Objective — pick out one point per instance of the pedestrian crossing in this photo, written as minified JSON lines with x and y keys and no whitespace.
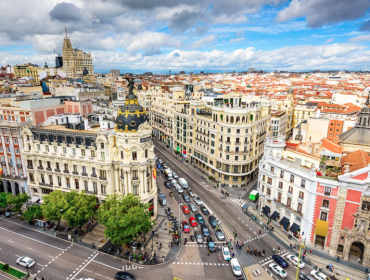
{"x":202,"y":264}
{"x":268,"y":260}
{"x":238,"y":201}
{"x":255,"y":238}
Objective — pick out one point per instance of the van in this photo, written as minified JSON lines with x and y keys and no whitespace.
{"x":162,"y":199}
{"x":183,"y":183}
{"x":253,"y":196}
{"x":235,"y":266}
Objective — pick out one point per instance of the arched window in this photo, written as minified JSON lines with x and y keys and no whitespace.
{"x":232,"y":119}
{"x":227,"y":118}
{"x":237,"y":119}
{"x":222,"y":117}
{"x":243,"y":119}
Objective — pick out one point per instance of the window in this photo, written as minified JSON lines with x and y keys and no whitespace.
{"x":66,"y":167}
{"x":95,"y":186}
{"x":103,"y":155}
{"x":289,"y":202}
{"x":269,"y":181}
{"x":135,"y":175}
{"x":103,"y":189}
{"x":122,"y":156}
{"x":17,"y":151}
{"x":323,"y":216}
{"x":146,"y":153}
{"x":226,"y":178}
{"x":134,"y":156}
{"x":268,"y":191}
{"x":228,"y":130}
{"x":103,"y":174}
{"x":77,"y":184}
{"x":263,"y":188}
{"x":102,"y":145}
{"x":238,"y":131}
{"x":55,"y":149}
{"x":280,"y":185}
{"x":92,"y":153}
{"x":282,"y":174}
{"x":299,"y":208}
{"x":74,"y":168}
{"x":68,"y":183}
{"x":279,"y":196}
{"x":93,"y":171}
{"x":325,"y":203}
{"x":301,"y":195}
{"x":59,"y":181}
{"x":83,"y":152}
{"x":136,"y":190}
{"x":73,"y":151}
{"x":235,"y":179}
{"x":57,"y":165}
{"x":292,"y":178}
{"x":290,"y":189}
{"x":227,"y":157}
{"x":15,"y":140}
{"x":38,"y":147}
{"x":327,"y":191}
{"x":86,"y":185}
{"x":64,"y":150}
{"x":46,"y":148}
{"x":32,"y":179}
{"x":272,"y":169}
{"x":263,"y":178}
{"x":303,"y":183}
{"x":6,"y":139}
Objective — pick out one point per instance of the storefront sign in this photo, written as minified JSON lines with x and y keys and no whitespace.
{"x":146,"y":139}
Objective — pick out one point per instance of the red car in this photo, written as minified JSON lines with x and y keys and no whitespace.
{"x":185,"y":227}
{"x":185,"y":209}
{"x":193,"y":222}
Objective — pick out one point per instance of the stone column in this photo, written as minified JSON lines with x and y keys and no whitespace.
{"x":117,"y":182}
{"x":12,"y":187}
{"x":145,"y":182}
{"x":129,"y":183}
{"x":5,"y":183}
{"x":142,"y":183}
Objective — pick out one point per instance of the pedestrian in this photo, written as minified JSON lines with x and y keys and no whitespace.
{"x":93,"y":245}
{"x":337,"y":258}
{"x":35,"y":278}
{"x":242,"y":243}
{"x":290,"y":246}
{"x":237,"y":242}
{"x":303,"y":256}
{"x":367,"y":271}
{"x":232,"y":255}
{"x":311,"y":251}
{"x":208,"y":252}
{"x":42,"y":278}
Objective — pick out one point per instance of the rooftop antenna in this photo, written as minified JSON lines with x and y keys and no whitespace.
{"x":65,"y":29}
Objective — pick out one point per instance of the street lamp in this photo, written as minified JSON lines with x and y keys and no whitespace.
{"x":301,"y":246}
{"x":179,"y":223}
{"x":152,"y":240}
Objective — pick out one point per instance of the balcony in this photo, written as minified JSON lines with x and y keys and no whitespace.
{"x":66,"y":171}
{"x":135,"y":178}
{"x":28,"y":167}
{"x":56,"y":170}
{"x":237,"y":143}
{"x":74,"y":172}
{"x":40,"y":167}
{"x":299,"y":213}
{"x":83,"y":174}
{"x":19,"y":165}
{"x":48,"y":168}
{"x":102,"y":178}
{"x":93,"y":175}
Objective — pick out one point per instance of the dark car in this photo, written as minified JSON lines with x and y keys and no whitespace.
{"x":304,"y":276}
{"x":162,"y":170}
{"x":212,"y":220}
{"x":205,"y":230}
{"x":211,"y":245}
{"x":280,"y":261}
{"x":199,"y":218}
{"x":192,"y":207}
{"x":168,"y":184}
{"x":204,"y":210}
{"x":123,"y":275}
{"x":185,"y":197}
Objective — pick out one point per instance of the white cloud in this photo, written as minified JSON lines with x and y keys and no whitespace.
{"x":329,"y":40}
{"x":361,"y":38}
{"x":234,"y":40}
{"x":201,"y":43}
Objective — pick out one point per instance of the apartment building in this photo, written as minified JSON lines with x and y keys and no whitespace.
{"x":279,"y":123}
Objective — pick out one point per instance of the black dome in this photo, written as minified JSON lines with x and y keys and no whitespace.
{"x":131,"y":115}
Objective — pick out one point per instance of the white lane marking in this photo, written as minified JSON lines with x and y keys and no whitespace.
{"x":30,"y":239}
{"x":84,"y":267}
{"x":106,"y":265}
{"x":52,"y":257}
{"x":98,"y":274}
{"x":29,"y":248}
{"x":40,"y":264}
{"x":267,"y":262}
{"x":10,"y":241}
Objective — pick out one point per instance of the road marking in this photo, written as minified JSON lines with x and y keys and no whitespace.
{"x":30,"y":239}
{"x":40,"y":264}
{"x":222,"y":211}
{"x":267,"y":262}
{"x":52,"y":257}
{"x":98,"y":274}
{"x":106,"y":265}
{"x":10,"y":241}
{"x":84,"y":267}
{"x":29,"y":248}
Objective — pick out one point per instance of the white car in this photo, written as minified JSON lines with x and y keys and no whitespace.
{"x":24,"y":261}
{"x":294,"y":260}
{"x":198,"y":201}
{"x":179,"y":189}
{"x":175,"y":175}
{"x":319,"y":275}
{"x":226,"y":253}
{"x":278,"y":270}
{"x":173,"y":182}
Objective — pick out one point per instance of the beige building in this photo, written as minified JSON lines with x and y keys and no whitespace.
{"x":75,"y":61}
{"x":27,"y":70}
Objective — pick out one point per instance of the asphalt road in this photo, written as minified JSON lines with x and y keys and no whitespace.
{"x":228,"y":213}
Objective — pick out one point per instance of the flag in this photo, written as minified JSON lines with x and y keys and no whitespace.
{"x":1,"y":171}
{"x":154,"y":173}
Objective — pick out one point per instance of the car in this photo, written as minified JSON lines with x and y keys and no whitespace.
{"x":164,"y":165}
{"x":198,"y":201}
{"x":278,"y":270}
{"x":199,"y":218}
{"x":185,"y":197}
{"x":169,"y":176}
{"x":205,"y":230}
{"x":280,"y":261}
{"x":159,"y":166}
{"x":235,"y":266}
{"x":25,"y":261}
{"x":226,"y":253}
{"x":219,"y":234}
{"x":211,"y":245}
{"x":175,"y":176}
{"x":193,"y":208}
{"x":185,"y":227}
{"x":199,"y":237}
{"x":193,"y":222}
{"x":176,"y":185}
{"x":294,"y":260}
{"x":304,"y":276}
{"x":185,"y":209}
{"x":212,"y":220}
{"x":168,"y":184}
{"x":173,"y":181}
{"x":159,"y":161}
{"x":319,"y":275}
{"x":191,"y":193}
{"x":162,"y":170}
{"x":179,"y":189}
{"x":204,"y":210}
{"x":123,"y":275}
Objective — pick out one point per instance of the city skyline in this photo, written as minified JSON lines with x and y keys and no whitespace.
{"x":186,"y":35}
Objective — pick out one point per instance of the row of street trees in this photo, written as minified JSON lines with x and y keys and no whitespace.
{"x":124,"y":216}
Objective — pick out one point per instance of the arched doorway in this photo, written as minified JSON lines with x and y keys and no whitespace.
{"x":356,"y":252}
{"x":16,"y":188}
{"x":340,"y":249}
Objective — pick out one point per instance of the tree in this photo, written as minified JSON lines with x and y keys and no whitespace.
{"x":124,"y":217}
{"x":81,"y":207}
{"x":33,"y":212}
{"x":54,"y":205}
{"x":17,"y":201}
{"x":4,"y":199}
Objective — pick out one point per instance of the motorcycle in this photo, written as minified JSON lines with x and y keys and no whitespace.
{"x":171,"y":194}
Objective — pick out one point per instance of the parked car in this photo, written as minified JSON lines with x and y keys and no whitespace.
{"x":226,"y":253}
{"x":199,"y":218}
{"x":319,"y":275}
{"x":204,"y":210}
{"x":185,"y":197}
{"x":164,"y":165}
{"x":212,"y":220}
{"x":159,"y":166}
{"x":193,"y":222}
{"x":294,"y":260}
{"x":185,"y":209}
{"x":174,"y":175}
{"x":123,"y":275}
{"x":199,"y":237}
{"x":159,"y":161}
{"x":280,"y":261}
{"x":278,"y":270}
{"x":211,"y":245}
{"x":205,"y":230}
{"x":235,"y":266}
{"x":179,"y":189}
{"x":168,"y":184}
{"x":185,"y":227}
{"x":25,"y":261}
{"x":305,"y":276}
{"x":169,"y":176}
{"x":219,"y":234}
{"x":198,"y":201}
{"x":193,"y":208}
{"x":173,"y":181}
{"x":191,"y":193}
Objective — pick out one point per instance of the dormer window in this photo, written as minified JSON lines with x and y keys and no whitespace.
{"x":55,"y":138}
{"x":73,"y":140}
{"x":64,"y":138}
{"x":82,"y":141}
{"x":38,"y":136}
{"x":102,"y":145}
{"x":46,"y":137}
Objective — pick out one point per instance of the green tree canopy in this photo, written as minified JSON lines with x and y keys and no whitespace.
{"x":17,"y":201}
{"x":33,"y":212}
{"x":4,"y":199}
{"x":54,"y":205}
{"x":124,"y":217}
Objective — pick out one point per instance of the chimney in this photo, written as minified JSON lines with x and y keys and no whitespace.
{"x":86,"y":123}
{"x":318,"y":113}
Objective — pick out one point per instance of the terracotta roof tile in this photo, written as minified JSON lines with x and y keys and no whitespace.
{"x":356,"y":160}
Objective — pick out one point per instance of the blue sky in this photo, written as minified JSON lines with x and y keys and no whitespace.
{"x":191,"y":35}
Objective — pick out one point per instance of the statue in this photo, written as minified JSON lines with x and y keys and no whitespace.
{"x":130,"y":85}
{"x":361,"y":227}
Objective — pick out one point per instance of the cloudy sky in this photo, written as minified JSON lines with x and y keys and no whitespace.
{"x":191,"y":35}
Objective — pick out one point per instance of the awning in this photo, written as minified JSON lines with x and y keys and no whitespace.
{"x":266,"y":210}
{"x":294,"y":228}
{"x":275,"y":215}
{"x":284,"y":222}
{"x":321,"y":228}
